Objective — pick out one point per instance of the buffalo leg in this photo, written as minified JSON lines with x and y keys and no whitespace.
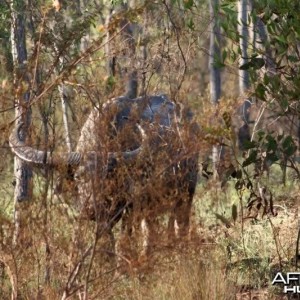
{"x":182,"y":218}
{"x":123,"y":244}
{"x":149,"y":231}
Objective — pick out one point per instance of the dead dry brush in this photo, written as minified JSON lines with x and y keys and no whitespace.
{"x":59,"y":252}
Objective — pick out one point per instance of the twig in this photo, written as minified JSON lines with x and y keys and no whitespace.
{"x":178,"y":44}
{"x":276,"y":242}
{"x":74,"y":274}
{"x":91,"y":50}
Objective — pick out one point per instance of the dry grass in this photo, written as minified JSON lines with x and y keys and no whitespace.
{"x":214,"y":263}
{"x":187,"y":275}
{"x":58,"y":253}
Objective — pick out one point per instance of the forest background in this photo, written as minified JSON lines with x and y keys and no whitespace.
{"x":235,"y":63}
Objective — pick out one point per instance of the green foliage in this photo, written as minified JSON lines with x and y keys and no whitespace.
{"x":255,"y":63}
{"x":273,"y":66}
{"x":187,"y":4}
{"x":190,"y":24}
{"x":56,"y":239}
{"x":117,"y":2}
{"x":4,"y":37}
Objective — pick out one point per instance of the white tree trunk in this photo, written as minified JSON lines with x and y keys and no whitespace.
{"x":244,"y":83}
{"x":111,"y":58}
{"x":215,"y":73}
{"x":244,"y":35}
{"x":64,"y":106}
{"x":60,"y":17}
{"x":262,"y":42}
{"x":22,"y":171}
{"x":129,"y":41}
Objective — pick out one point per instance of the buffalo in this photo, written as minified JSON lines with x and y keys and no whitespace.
{"x":136,"y":159}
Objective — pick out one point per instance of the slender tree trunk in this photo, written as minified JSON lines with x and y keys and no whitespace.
{"x":22,"y":171}
{"x":64,"y":105}
{"x":262,"y":41}
{"x":37,"y":80}
{"x":244,"y":82}
{"x":60,"y":17}
{"x":85,"y":40}
{"x":130,"y":74}
{"x":144,"y":50}
{"x":65,"y":115}
{"x":111,"y":58}
{"x":262,"y":44}
{"x":127,"y":71}
{"x":215,"y":74}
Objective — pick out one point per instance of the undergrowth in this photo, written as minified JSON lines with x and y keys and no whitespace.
{"x":223,"y":257}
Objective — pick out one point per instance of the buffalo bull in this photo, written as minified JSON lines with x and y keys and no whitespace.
{"x":135,"y":159}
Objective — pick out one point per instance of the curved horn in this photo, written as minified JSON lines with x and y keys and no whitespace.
{"x":130,"y":155}
{"x":35,"y":156}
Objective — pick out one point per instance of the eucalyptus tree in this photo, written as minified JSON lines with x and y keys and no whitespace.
{"x":215,"y":71}
{"x":22,"y":172}
{"x":268,"y":69}
{"x":244,"y":80}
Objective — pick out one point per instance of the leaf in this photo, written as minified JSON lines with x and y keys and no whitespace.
{"x":251,"y":159}
{"x":271,"y":143}
{"x":224,"y":55}
{"x":233,"y":56}
{"x":223,"y":220}
{"x":292,"y":58}
{"x":260,"y":91}
{"x":280,"y":38}
{"x":272,"y":157}
{"x":110,"y":81}
{"x":238,"y":174}
{"x":284,"y":103}
{"x":257,"y":63}
{"x":228,"y":10}
{"x":224,"y":25}
{"x":249,"y":144}
{"x":188,"y":4}
{"x":288,"y":145}
{"x":266,"y":79}
{"x":234,"y":213}
{"x":261,"y":134}
{"x":239,"y":184}
{"x":249,"y":185}
{"x":190,"y":24}
{"x":280,"y":137}
{"x":246,"y":66}
{"x":218,"y":64}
